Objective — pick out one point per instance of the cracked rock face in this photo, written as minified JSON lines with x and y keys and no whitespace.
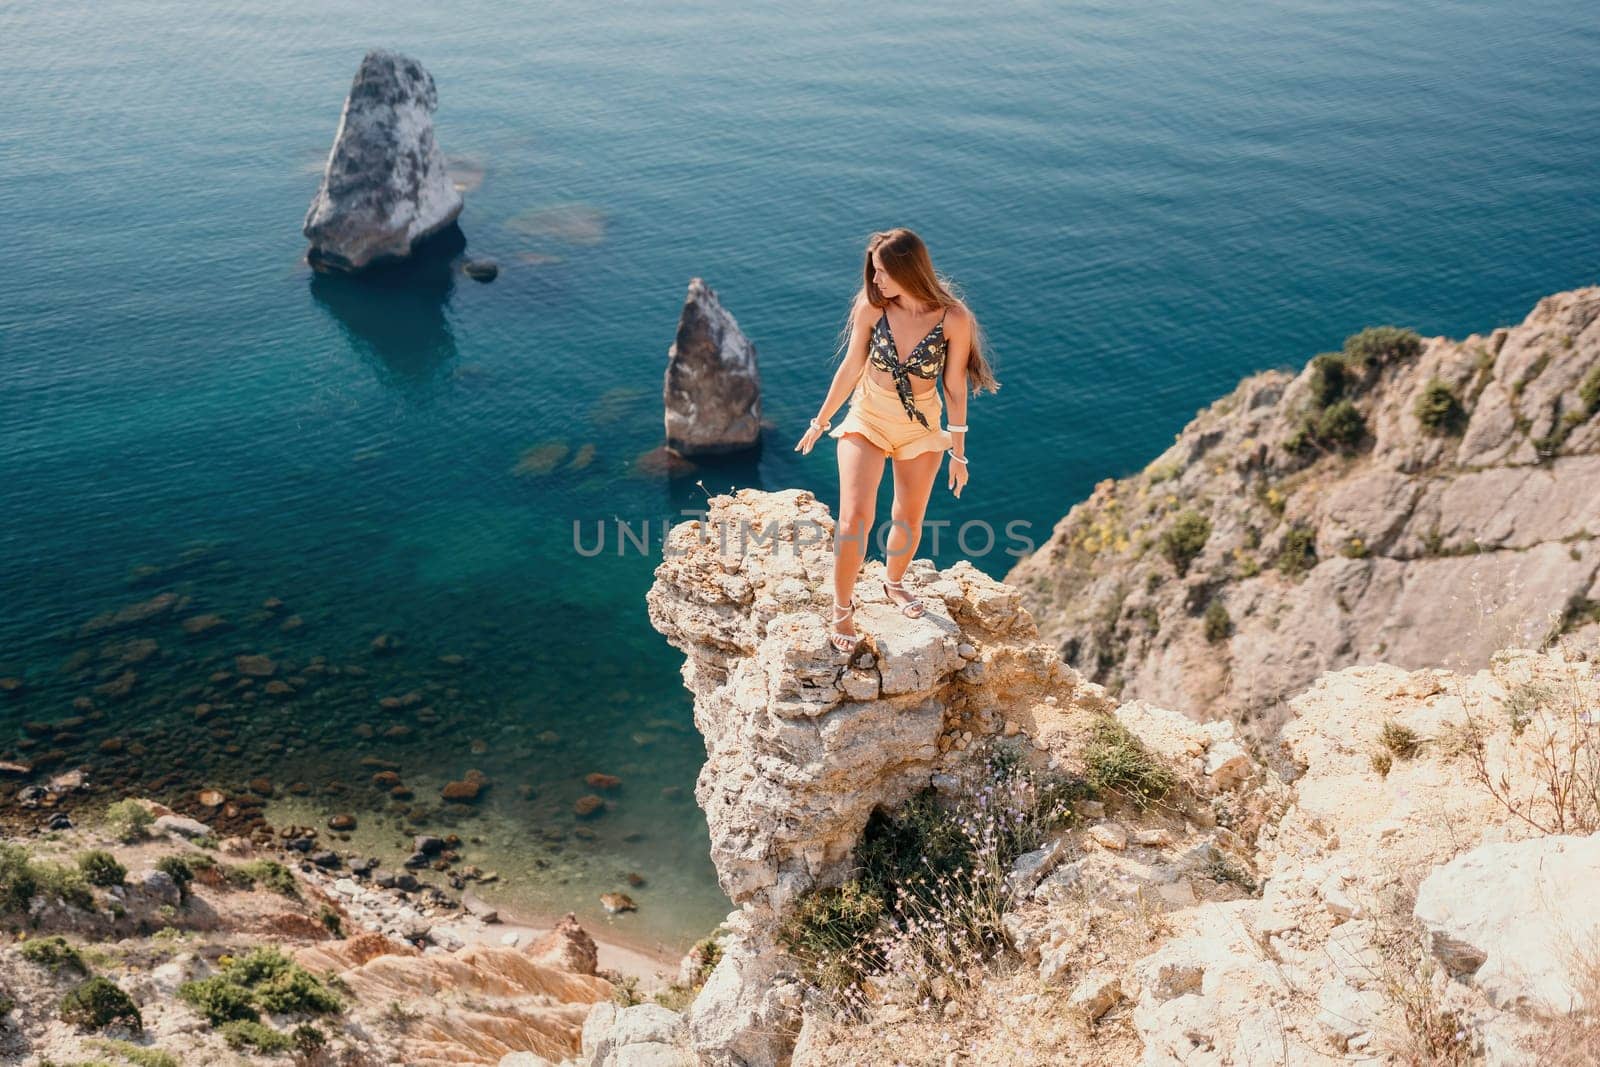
{"x":385,"y":187}
{"x":713,"y":388}
{"x":1419,"y":545}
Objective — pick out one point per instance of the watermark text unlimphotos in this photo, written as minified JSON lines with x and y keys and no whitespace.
{"x":974,"y":538}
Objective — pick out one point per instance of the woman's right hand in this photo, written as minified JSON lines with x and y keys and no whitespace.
{"x":813,"y":435}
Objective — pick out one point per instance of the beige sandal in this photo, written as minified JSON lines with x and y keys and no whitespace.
{"x":911,"y":609}
{"x":841,"y":613}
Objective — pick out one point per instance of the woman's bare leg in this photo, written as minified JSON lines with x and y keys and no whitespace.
{"x":860,"y":472}
{"x":913,"y":483}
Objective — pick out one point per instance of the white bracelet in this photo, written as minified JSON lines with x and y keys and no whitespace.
{"x":815,"y":425}
{"x":958,"y":459}
{"x":955,"y":429}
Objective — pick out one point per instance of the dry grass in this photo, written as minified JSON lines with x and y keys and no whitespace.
{"x":1549,"y":776}
{"x":1004,"y":1014}
{"x":1574,"y":1040}
{"x":1428,"y":1033}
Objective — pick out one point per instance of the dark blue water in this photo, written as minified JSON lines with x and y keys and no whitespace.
{"x":1142,"y":203}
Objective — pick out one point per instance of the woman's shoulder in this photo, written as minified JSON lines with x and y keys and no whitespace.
{"x":959,"y":315}
{"x":863,"y":311}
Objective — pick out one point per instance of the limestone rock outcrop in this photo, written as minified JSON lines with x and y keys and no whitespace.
{"x":804,"y":743}
{"x":1303,"y":901}
{"x":1417,"y":501}
{"x":1394,"y":882}
{"x":712,"y":391}
{"x":385,"y":187}
{"x":1494,"y":917}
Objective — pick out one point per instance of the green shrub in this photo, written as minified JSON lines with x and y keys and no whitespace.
{"x":22,"y":878}
{"x":930,"y":883}
{"x":218,"y":999}
{"x":1185,"y":539}
{"x":1438,"y":410}
{"x":101,"y":868}
{"x":64,"y":883}
{"x":708,"y":950}
{"x":97,"y":1004}
{"x":262,"y":980}
{"x":831,"y":929}
{"x":129,"y":820}
{"x":271,"y":875}
{"x":1117,"y":762}
{"x":137,"y":1055}
{"x":55,"y":953}
{"x":246,"y":1033}
{"x":179,"y":870}
{"x":1327,"y":379}
{"x":308,"y":1038}
{"x":332,"y":920}
{"x":296,"y":990}
{"x":1378,"y":346}
{"x":19,"y":882}
{"x":1341,"y":426}
{"x":1299,"y":551}
{"x":1589,"y":391}
{"x":1218,"y":624}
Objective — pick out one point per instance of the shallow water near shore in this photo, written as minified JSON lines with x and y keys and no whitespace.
{"x":1143,"y":204}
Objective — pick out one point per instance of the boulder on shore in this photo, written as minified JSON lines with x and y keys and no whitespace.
{"x":713,"y":388}
{"x":386,"y":187}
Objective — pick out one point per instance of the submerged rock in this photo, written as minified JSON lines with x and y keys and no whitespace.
{"x":386,"y":186}
{"x":481,"y":270}
{"x":713,"y":388}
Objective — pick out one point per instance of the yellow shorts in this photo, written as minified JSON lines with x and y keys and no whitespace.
{"x":877,"y":414}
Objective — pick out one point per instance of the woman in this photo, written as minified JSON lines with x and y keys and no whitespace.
{"x":895,"y":412}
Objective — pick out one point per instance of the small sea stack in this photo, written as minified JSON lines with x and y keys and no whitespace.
{"x":713,"y":388}
{"x":386,"y":187}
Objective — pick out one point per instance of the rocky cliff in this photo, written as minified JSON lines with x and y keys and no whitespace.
{"x":1396,"y":875}
{"x":1416,"y":501}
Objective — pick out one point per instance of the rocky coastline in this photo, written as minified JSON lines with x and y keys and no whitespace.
{"x":1377,"y":856}
{"x":153,"y":906}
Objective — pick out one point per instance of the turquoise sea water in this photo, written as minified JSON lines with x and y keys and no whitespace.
{"x":1143,"y":202}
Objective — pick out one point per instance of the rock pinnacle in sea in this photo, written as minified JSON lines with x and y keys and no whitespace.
{"x":385,"y":187}
{"x":713,"y":388}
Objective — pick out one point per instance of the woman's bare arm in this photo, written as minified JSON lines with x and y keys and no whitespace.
{"x":855,"y":359}
{"x":959,"y":334}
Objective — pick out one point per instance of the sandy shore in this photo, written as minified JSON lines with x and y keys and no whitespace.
{"x":654,"y":965}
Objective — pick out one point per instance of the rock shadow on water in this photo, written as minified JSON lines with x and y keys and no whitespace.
{"x":395,"y":313}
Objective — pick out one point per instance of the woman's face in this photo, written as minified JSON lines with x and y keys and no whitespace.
{"x":880,"y":277}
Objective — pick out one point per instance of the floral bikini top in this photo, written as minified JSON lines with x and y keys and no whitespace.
{"x":925,"y":361}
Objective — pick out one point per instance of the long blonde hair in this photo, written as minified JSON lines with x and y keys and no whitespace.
{"x":906,"y":259}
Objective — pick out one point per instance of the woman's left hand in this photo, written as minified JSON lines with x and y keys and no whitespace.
{"x":958,"y":477}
